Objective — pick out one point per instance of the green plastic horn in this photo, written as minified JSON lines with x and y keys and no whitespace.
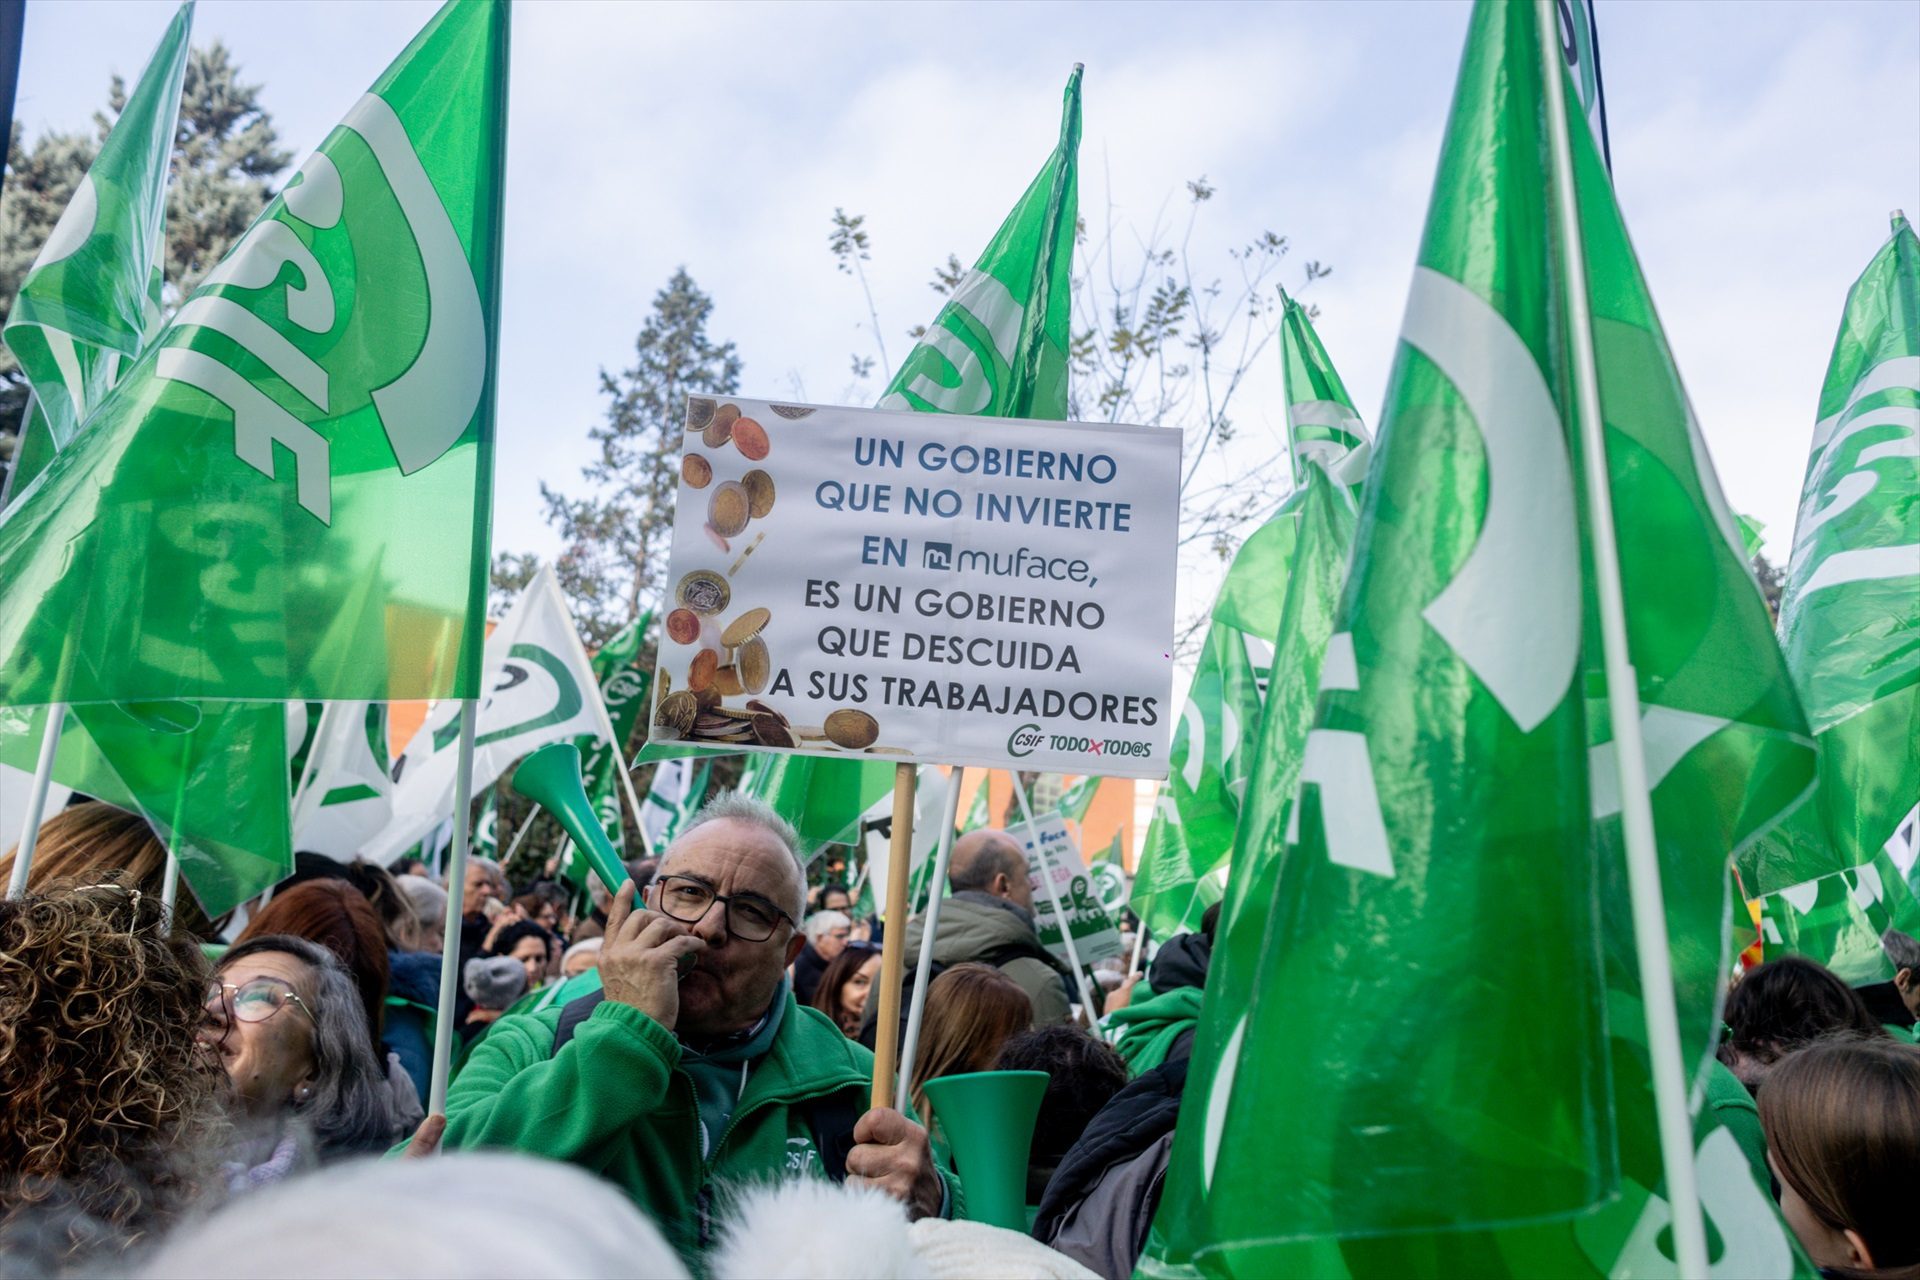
{"x":551,"y":778}
{"x":988,"y":1119}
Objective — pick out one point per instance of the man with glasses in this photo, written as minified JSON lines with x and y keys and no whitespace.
{"x":687,"y":1065}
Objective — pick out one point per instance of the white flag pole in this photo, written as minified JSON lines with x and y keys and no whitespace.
{"x":513,"y":846}
{"x":445,"y":1032}
{"x":1053,"y":895}
{"x":1623,"y":693}
{"x":1139,"y":944}
{"x":923,"y":971}
{"x":37,"y":798}
{"x":170,"y":882}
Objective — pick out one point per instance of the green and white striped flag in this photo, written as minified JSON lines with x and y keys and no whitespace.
{"x":1851,"y":609}
{"x":1322,"y":423}
{"x":91,"y":300}
{"x":1183,"y":864}
{"x":1459,"y":839}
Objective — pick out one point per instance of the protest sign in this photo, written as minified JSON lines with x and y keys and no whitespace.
{"x":1095,"y":936}
{"x":932,"y":588}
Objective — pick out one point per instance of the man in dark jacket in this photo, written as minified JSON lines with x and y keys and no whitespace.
{"x":989,"y":919}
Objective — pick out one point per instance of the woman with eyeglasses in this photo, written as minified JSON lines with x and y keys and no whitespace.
{"x":287,"y":1024}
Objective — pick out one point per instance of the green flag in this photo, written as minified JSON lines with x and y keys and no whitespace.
{"x":1184,"y":860}
{"x":92,"y":297}
{"x":84,"y":315}
{"x":1321,"y":421}
{"x":1850,"y":613}
{"x":998,"y":347}
{"x":624,"y":685}
{"x":486,"y":827}
{"x":1458,"y":830}
{"x":287,"y":496}
{"x":1077,"y":798}
{"x":1312,"y":591}
{"x":823,"y":799}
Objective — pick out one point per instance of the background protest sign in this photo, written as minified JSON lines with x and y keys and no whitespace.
{"x":1095,"y":936}
{"x":934,"y":588}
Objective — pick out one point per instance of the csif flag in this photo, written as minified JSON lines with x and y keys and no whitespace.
{"x":1459,"y":832}
{"x":286,"y":496}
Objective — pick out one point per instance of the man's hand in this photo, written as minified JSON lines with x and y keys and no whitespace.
{"x":893,"y":1155}
{"x":640,"y":961}
{"x":426,"y":1139}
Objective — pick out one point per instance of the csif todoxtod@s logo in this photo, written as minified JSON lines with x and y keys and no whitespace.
{"x":1028,"y":738}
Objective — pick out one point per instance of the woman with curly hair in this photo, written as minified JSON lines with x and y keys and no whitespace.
{"x":110,"y":1104}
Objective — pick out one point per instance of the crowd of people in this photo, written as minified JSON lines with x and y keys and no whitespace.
{"x":659,"y":1072}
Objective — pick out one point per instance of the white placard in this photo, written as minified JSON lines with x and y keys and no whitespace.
{"x":1095,"y":936}
{"x":927,"y":587}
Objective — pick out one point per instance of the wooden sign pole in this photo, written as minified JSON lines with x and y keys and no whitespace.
{"x":886,"y":1042}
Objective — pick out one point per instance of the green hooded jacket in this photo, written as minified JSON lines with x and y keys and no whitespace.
{"x":1149,"y":1026}
{"x":617,"y":1101}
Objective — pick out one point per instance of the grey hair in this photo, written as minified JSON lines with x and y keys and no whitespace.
{"x":351,"y":1108}
{"x":1901,"y":948}
{"x":821,"y":923}
{"x":493,"y":869}
{"x":737,"y":807}
{"x":426,"y":904}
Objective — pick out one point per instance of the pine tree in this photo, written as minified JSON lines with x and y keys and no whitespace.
{"x":618,"y":536}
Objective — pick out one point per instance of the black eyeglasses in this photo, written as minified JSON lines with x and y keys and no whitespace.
{"x":750,"y":917}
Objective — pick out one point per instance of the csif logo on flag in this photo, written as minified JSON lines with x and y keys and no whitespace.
{"x":361,"y":223}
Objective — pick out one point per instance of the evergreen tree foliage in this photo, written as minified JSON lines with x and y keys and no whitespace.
{"x":617,"y":535}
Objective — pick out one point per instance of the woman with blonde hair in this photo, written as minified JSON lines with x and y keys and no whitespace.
{"x":972,"y":1011}
{"x":86,"y":841}
{"x":112,"y":1118}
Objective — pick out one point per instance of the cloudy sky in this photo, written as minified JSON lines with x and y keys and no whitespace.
{"x":1758,"y":149}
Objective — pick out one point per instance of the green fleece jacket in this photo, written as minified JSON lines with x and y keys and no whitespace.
{"x":1149,"y":1026}
{"x":617,"y":1101}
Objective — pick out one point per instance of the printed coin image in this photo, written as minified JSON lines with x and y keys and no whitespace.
{"x":713,"y":536}
{"x":769,"y":732}
{"x":888,"y":751}
{"x":726,"y":415}
{"x":745,"y":627}
{"x":699,"y":413}
{"x":754,"y":664}
{"x":704,"y":591}
{"x":727,"y":681}
{"x":851,"y":728}
{"x":696,"y":471}
{"x":728,"y":510}
{"x":700,"y":670}
{"x":792,"y":411}
{"x":677,"y":711}
{"x":808,"y":732}
{"x":757,"y":707}
{"x":717,"y":434}
{"x":759,"y":487}
{"x":683,"y":626}
{"x":707,"y":699}
{"x":751,"y":439}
